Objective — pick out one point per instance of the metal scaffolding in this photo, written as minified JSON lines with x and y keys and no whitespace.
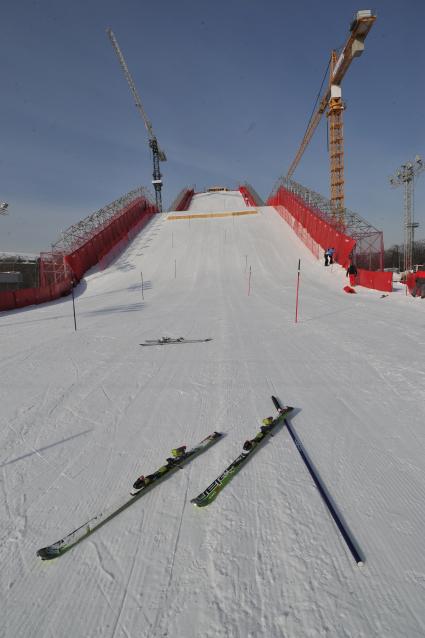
{"x":78,"y":234}
{"x":369,"y":251}
{"x":53,"y":267}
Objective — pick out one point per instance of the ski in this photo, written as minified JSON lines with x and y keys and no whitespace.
{"x":181,"y":457}
{"x":168,"y":340}
{"x":83,"y":531}
{"x":322,"y":489}
{"x":250,"y":447}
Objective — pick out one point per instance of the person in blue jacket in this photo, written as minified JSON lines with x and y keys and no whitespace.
{"x":327,"y":257}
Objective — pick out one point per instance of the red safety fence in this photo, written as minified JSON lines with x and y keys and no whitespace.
{"x":299,"y":230}
{"x":320,"y":231}
{"x":318,"y":235}
{"x":58,"y":271}
{"x":415,"y":282}
{"x":28,"y":296}
{"x":376,"y":279}
{"x":138,"y":213}
{"x":247,"y":196}
{"x":183,"y":199}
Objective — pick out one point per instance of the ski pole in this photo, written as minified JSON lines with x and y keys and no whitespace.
{"x":298,"y":287}
{"x":322,"y":490}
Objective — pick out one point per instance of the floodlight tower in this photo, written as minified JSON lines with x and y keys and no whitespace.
{"x":406,"y":175}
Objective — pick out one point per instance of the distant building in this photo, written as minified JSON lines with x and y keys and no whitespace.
{"x":17,"y":272}
{"x":10,"y":280}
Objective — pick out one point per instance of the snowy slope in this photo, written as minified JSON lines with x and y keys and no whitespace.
{"x":83,"y":414}
{"x":217,"y":202}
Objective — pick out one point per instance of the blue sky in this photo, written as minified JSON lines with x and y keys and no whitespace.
{"x":229,"y":86}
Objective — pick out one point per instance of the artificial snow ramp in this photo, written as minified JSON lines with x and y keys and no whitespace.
{"x":84,"y":413}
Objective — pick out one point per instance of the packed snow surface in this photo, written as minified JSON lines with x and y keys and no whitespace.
{"x":85,"y":413}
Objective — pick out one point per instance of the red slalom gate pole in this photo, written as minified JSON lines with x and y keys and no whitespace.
{"x":298,"y":287}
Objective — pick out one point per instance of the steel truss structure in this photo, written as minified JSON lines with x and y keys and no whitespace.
{"x":369,"y":251}
{"x":78,"y":234}
{"x":53,"y":268}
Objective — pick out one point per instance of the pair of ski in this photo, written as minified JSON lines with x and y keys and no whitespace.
{"x":144,"y":484}
{"x":163,"y":341}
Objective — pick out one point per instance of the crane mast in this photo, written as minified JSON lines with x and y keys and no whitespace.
{"x":158,"y":155}
{"x":331,"y":101}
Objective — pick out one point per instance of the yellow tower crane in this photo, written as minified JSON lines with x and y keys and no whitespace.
{"x":332,"y":101}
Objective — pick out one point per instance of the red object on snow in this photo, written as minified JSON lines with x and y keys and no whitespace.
{"x":349,"y":289}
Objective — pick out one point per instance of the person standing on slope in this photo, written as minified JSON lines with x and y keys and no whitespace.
{"x":352,"y":274}
{"x":327,"y":257}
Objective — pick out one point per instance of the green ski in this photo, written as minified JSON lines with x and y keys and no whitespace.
{"x":210,"y":494}
{"x":173,"y":464}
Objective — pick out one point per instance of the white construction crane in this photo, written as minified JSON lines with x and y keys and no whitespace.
{"x":157,"y":154}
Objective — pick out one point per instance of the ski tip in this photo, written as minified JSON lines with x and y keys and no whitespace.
{"x":360,"y":563}
{"x":196,"y":504}
{"x":46,"y":554}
